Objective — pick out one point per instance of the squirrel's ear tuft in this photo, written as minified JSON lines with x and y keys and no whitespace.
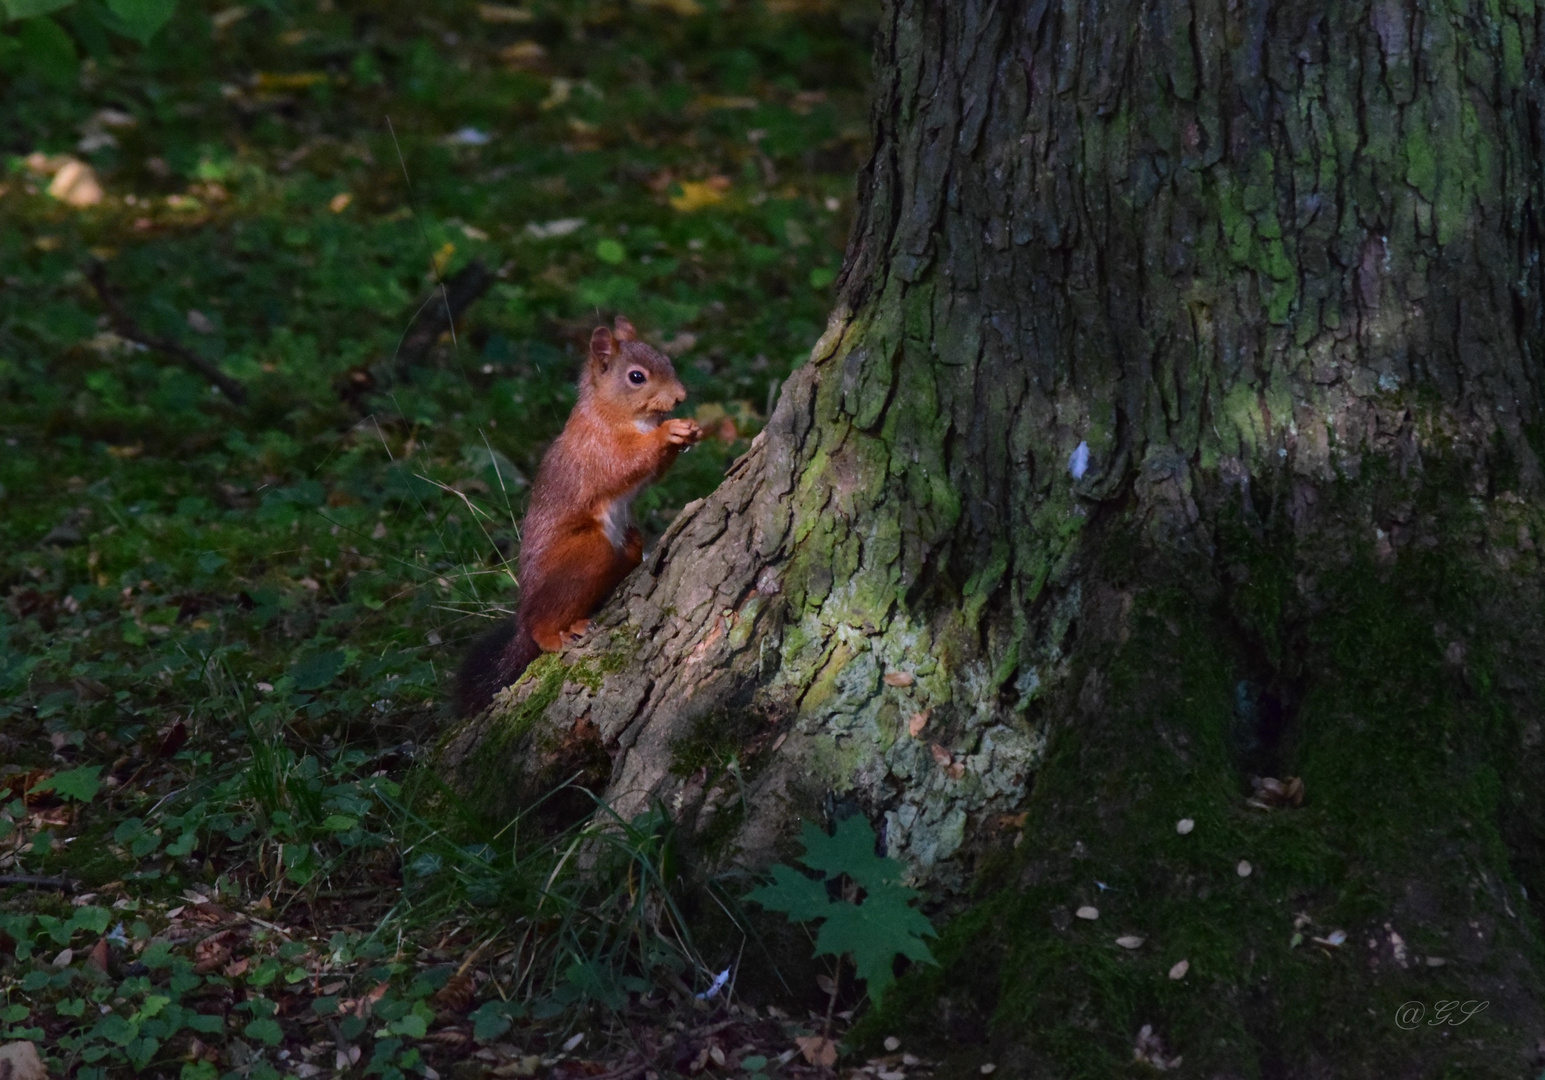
{"x":602,"y":347}
{"x":625,"y":331}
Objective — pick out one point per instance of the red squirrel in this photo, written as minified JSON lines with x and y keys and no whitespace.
{"x":578,"y":539}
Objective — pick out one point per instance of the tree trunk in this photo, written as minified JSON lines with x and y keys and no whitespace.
{"x":1177,"y":426}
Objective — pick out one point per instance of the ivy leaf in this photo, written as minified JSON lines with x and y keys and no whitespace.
{"x":140,"y":19}
{"x":412,"y":1026}
{"x":116,"y":1030}
{"x":91,"y":919}
{"x":265,"y":1031}
{"x":315,"y":672}
{"x":79,"y":784}
{"x":492,"y":1019}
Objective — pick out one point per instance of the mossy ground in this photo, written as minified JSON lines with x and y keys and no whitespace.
{"x":241,"y":618}
{"x":1395,"y":684}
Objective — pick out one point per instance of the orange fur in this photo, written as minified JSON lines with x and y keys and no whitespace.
{"x":578,"y":538}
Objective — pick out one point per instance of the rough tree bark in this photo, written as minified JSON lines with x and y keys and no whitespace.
{"x":1178,"y":424}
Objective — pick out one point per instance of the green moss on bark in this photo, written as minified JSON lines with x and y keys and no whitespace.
{"x":1382,"y":671}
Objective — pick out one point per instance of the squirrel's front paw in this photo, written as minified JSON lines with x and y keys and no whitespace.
{"x":682,"y":432}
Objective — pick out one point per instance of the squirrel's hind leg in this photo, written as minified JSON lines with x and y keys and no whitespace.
{"x":578,"y":571}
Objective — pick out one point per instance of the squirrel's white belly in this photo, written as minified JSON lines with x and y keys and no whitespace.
{"x":616,"y":516}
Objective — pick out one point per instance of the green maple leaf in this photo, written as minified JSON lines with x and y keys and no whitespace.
{"x":803,"y":899}
{"x":851,"y":852}
{"x":873,"y":931}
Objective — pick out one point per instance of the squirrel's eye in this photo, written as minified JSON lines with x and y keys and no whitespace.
{"x":637,"y":377}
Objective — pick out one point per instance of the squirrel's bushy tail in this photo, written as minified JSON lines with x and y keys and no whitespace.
{"x":494,"y":662}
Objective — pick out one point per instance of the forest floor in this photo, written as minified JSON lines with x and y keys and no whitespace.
{"x":229,"y":614}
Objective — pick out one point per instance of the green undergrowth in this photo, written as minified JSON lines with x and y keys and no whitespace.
{"x":1395,"y":682}
{"x":238,"y":620}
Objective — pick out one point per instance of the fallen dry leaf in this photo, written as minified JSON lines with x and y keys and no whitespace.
{"x":1150,"y":1050}
{"x":75,"y":184}
{"x":273,"y":81}
{"x":172,"y":739}
{"x":456,"y":994}
{"x":20,"y":1061}
{"x":899,"y":678}
{"x":817,"y":1050}
{"x":366,"y":1004}
{"x":722,"y":101}
{"x":1271,"y":793}
{"x":503,"y":13}
{"x":213,"y":952}
{"x":224,"y":18}
{"x":683,"y":8}
{"x":679,"y":344}
{"x":696,"y":194}
{"x":449,"y":1037}
{"x":523,"y":54}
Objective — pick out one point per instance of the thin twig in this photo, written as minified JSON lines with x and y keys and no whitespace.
{"x":624,"y":1072}
{"x":125,"y":327}
{"x":33,"y":881}
{"x":354,"y":893}
{"x":831,"y":1004}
